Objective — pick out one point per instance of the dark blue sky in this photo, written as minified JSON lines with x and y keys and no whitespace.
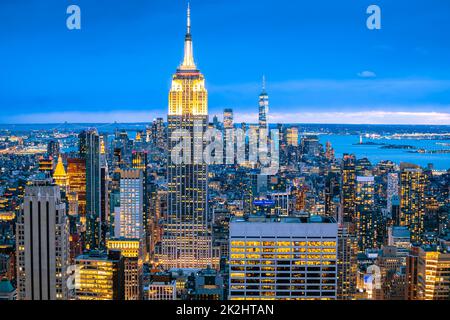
{"x":316,"y":56}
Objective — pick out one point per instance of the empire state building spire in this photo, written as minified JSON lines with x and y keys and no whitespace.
{"x":187,"y":238}
{"x":188,"y":61}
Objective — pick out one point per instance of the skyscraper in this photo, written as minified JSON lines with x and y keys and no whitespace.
{"x":392,"y":189}
{"x":158,"y":137}
{"x":346,"y":263}
{"x":228,"y":118}
{"x":53,"y":148}
{"x":412,"y":201}
{"x":89,"y":149}
{"x":263,"y":107}
{"x":186,"y":241}
{"x":365,"y":215}
{"x":42,"y":244}
{"x":76,"y":174}
{"x":348,"y":187}
{"x":228,"y":136}
{"x":129,"y":222}
{"x":139,"y":161}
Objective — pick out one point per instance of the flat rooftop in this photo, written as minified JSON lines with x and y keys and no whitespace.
{"x":269,"y":219}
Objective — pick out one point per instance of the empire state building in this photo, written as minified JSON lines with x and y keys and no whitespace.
{"x":186,"y":241}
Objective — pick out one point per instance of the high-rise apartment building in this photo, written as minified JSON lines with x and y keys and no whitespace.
{"x":412,"y":201}
{"x":42,"y":244}
{"x":348,"y":187}
{"x":392,"y":189}
{"x":346,"y":263}
{"x":129,"y":222}
{"x":228,"y":136}
{"x":186,"y":241}
{"x":365,"y":212}
{"x":139,"y":161}
{"x":228,"y":118}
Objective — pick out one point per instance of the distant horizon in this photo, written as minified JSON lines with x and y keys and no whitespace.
{"x":235,"y":124}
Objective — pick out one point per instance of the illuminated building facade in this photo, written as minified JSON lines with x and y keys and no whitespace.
{"x":281,"y":202}
{"x":332,"y":194}
{"x":228,"y":119}
{"x":348,"y":187}
{"x":263,"y":108}
{"x":139,"y":160}
{"x":76,"y":174}
{"x":46,"y":164}
{"x":283,"y":258}
{"x":392,"y":189}
{"x":346,"y":264}
{"x":60,"y":175}
{"x":365,"y":212}
{"x":131,"y":250}
{"x":42,"y":244}
{"x":186,"y":241}
{"x":53,"y":149}
{"x":228,"y":136}
{"x":433,"y":274}
{"x":158,"y":134}
{"x":89,"y":149}
{"x":129,"y":222}
{"x":412,"y":201}
{"x":161,"y":289}
{"x":292,"y":136}
{"x":100,"y":276}
{"x":104,"y":199}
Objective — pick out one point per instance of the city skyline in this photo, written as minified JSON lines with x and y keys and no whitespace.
{"x":198,"y":205}
{"x":320,"y":60}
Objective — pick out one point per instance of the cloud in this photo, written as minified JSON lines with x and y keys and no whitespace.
{"x":367,"y":74}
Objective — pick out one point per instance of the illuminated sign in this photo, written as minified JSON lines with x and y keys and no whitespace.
{"x":264,"y":203}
